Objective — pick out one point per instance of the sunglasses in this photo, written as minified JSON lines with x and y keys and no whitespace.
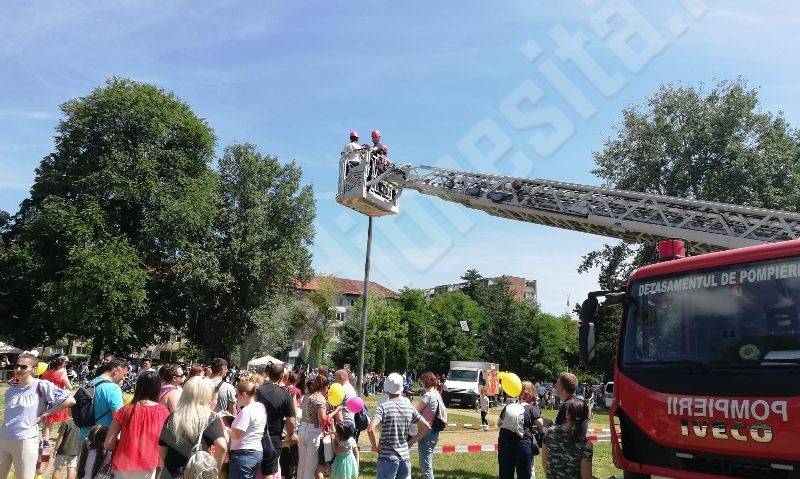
{"x":21,"y":366}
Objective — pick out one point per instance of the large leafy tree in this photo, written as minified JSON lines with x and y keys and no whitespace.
{"x":386,"y":347}
{"x":126,"y":191}
{"x":262,"y":230}
{"x":695,"y":143}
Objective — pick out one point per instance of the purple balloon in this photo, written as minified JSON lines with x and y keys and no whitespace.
{"x":355,"y":405}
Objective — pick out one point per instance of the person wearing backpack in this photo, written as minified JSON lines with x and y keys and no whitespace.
{"x":28,"y":403}
{"x":97,"y":403}
{"x":432,"y":408}
{"x":190,"y":431}
{"x":516,"y":444}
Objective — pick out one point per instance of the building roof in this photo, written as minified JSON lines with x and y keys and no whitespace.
{"x":347,"y":286}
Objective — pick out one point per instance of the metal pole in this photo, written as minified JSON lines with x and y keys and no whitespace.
{"x":360,"y":380}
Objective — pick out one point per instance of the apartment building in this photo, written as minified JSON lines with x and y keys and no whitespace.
{"x":523,"y":289}
{"x":351,"y":290}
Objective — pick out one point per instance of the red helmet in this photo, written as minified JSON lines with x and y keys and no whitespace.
{"x":376,"y":134}
{"x":353,"y":134}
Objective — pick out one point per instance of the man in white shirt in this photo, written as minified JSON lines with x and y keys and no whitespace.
{"x":226,"y":394}
{"x":350,"y":150}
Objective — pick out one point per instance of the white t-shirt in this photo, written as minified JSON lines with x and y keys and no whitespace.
{"x":251,"y":421}
{"x":350,"y":151}
{"x":485,"y":403}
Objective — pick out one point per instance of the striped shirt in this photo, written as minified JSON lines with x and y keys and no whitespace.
{"x":396,"y":417}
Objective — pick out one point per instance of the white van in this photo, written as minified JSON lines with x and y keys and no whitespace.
{"x":609,"y":396}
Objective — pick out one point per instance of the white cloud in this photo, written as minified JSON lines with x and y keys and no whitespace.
{"x":33,"y":115}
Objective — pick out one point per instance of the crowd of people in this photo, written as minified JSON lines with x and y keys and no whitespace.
{"x":265,"y":423}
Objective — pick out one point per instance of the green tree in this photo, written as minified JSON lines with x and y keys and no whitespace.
{"x":416,"y":314}
{"x":387,"y":336}
{"x":126,"y":191}
{"x":259,"y":248}
{"x":690,"y":142}
{"x":445,"y":340}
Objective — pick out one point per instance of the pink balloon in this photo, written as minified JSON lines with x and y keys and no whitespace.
{"x":355,"y":405}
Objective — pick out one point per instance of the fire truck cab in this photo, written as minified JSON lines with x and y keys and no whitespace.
{"x":707,"y":366}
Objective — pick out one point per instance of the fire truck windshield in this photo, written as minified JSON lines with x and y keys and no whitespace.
{"x":747,"y":315}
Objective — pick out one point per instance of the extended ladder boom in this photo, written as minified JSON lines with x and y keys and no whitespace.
{"x":627,"y":215}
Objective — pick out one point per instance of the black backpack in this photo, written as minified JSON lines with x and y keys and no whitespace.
{"x":361,"y":418}
{"x":83,"y":410}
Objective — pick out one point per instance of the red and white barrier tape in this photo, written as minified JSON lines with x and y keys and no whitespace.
{"x":459,"y":425}
{"x":450,"y":449}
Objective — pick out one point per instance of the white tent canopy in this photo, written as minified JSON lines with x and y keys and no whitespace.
{"x":263,"y":361}
{"x":8,"y":349}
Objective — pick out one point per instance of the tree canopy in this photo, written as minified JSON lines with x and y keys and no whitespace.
{"x":129,"y":233}
{"x":708,"y":144}
{"x":415,"y":332}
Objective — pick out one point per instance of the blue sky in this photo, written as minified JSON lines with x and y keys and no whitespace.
{"x":485,"y":87}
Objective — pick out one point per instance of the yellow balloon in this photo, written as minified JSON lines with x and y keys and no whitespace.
{"x":512,"y":384}
{"x":41,"y":368}
{"x":335,"y":394}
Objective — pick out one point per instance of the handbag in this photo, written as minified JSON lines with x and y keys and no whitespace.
{"x":326,"y":443}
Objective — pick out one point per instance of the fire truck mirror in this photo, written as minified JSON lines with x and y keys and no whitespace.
{"x":586,"y":342}
{"x":588,"y":309}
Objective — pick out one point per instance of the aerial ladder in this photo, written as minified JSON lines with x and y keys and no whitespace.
{"x":631,"y":216}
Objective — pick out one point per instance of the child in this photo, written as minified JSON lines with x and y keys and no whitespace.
{"x":345,"y":464}
{"x":92,"y":453}
{"x":66,"y":450}
{"x":484,"y":404}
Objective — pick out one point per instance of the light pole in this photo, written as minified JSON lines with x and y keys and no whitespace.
{"x":362,"y":343}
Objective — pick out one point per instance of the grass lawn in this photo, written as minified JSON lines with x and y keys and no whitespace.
{"x":481,"y":465}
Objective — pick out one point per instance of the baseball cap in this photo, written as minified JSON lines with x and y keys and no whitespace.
{"x":393,"y":384}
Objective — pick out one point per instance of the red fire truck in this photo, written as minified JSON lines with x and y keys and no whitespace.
{"x":707,"y":366}
{"x":707,"y":370}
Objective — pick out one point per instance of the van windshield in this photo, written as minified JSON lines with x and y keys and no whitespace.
{"x":461,"y":375}
{"x":743,"y":315}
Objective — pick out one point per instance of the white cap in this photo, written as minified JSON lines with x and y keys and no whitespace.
{"x":393,"y":384}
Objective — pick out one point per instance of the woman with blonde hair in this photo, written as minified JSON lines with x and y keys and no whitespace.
{"x":192,"y":421}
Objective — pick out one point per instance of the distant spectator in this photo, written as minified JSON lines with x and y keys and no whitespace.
{"x":196,"y":370}
{"x":226,"y":394}
{"x":56,"y":374}
{"x":171,"y":380}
